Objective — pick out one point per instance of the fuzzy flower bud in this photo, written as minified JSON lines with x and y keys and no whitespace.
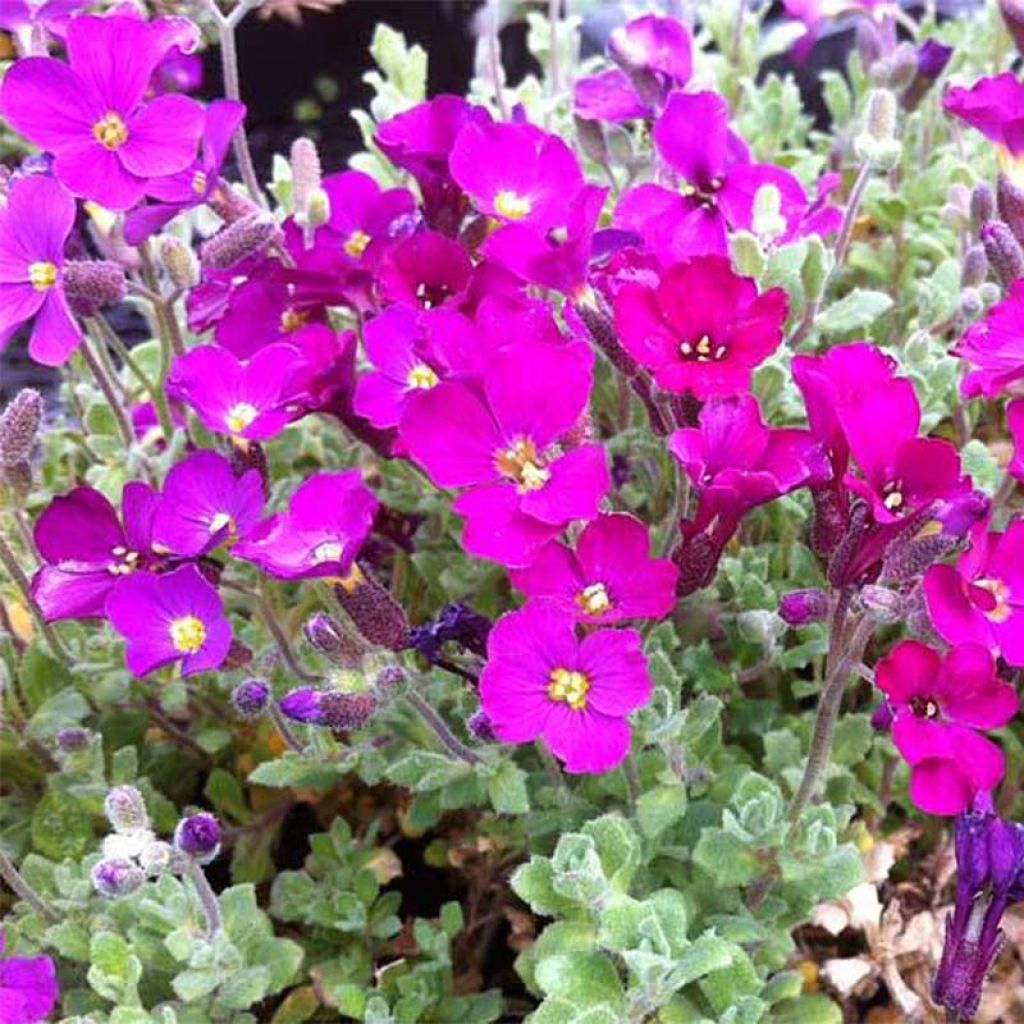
{"x":250,"y":698}
{"x":117,"y":877}
{"x":198,"y":837}
{"x":932,"y":58}
{"x":877,"y":143}
{"x":179,"y":261}
{"x":332,"y":641}
{"x":18,"y":426}
{"x":697,"y":559}
{"x":481,"y":727}
{"x":975,"y":267}
{"x":389,"y":680}
{"x":306,"y":176}
{"x":94,"y":282}
{"x":902,"y":66}
{"x":1003,"y":251}
{"x":332,"y":708}
{"x":1010,"y":203}
{"x":601,"y":328}
{"x":245,"y":237}
{"x":125,"y":809}
{"x":972,"y":305}
{"x":374,"y":612}
{"x":71,"y":740}
{"x":885,"y":604}
{"x":799,"y":607}
{"x":882,"y":717}
{"x":983,"y":205}
{"x":156,"y":857}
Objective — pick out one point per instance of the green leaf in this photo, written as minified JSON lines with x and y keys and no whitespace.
{"x":580,"y":979}
{"x":660,"y":808}
{"x":62,"y":827}
{"x":533,"y":883}
{"x":422,"y":770}
{"x":63,"y":710}
{"x":506,"y":788}
{"x":618,"y":846}
{"x":854,"y":311}
{"x":726,"y":858}
{"x":115,"y":971}
{"x":852,"y":739}
{"x":41,"y":677}
{"x":225,"y":792}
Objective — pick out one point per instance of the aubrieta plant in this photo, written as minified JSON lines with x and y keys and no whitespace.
{"x":536,"y":570}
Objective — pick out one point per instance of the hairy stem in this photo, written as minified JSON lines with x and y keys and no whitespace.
{"x":10,"y":874}
{"x":439,"y":726}
{"x":291,"y":741}
{"x":10,"y":563}
{"x":207,"y":897}
{"x":107,"y":387}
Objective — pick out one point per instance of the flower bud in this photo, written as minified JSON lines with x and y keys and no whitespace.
{"x":95,"y":282}
{"x":799,"y":607}
{"x":983,"y":205}
{"x":481,"y":727}
{"x":116,"y":877}
{"x":245,"y":237}
{"x":179,"y":261}
{"x":932,"y":58}
{"x":18,"y":426}
{"x":877,"y":143}
{"x":885,"y":604}
{"x":847,"y":548}
{"x":902,"y":67}
{"x":198,"y":837}
{"x":250,"y":698}
{"x":374,"y":612}
{"x":156,"y":857}
{"x":332,"y":641}
{"x":882,"y":717}
{"x":1010,"y":204}
{"x":332,"y":708}
{"x":1003,"y":251}
{"x":697,"y":559}
{"x":306,"y":175}
{"x":125,"y":809}
{"x":602,"y":331}
{"x":975,"y":267}
{"x":990,"y":293}
{"x":972,"y":305}
{"x":72,"y":740}
{"x":389,"y":681}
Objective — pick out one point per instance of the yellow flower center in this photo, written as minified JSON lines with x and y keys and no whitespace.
{"x":110,"y":131}
{"x":570,"y":687}
{"x":43,"y":275}
{"x":703,"y":352}
{"x":199,"y":183}
{"x":292,"y":320}
{"x":329,"y":551}
{"x":893,"y":499}
{"x":126,"y":561}
{"x":511,"y":205}
{"x":239,"y":416}
{"x":1000,"y":610}
{"x":219,"y":521}
{"x":421,"y":377}
{"x":594,"y":599}
{"x":521,"y":463}
{"x":356,"y":243}
{"x":188,"y":634}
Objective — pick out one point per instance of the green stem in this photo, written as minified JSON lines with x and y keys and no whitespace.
{"x":99,"y":375}
{"x":10,"y":874}
{"x":10,"y":563}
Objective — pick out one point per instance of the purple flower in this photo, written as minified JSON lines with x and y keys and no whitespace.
{"x":990,"y":876}
{"x":244,"y":400}
{"x":34,"y":227}
{"x":335,"y":709}
{"x":92,"y":115}
{"x":204,"y":504}
{"x":176,"y":617}
{"x":542,"y":682}
{"x":86,"y":551}
{"x":193,"y":185}
{"x":320,"y":533}
{"x":610,"y":577}
{"x":994,"y":106}
{"x":179,"y":72}
{"x":994,"y":346}
{"x":502,"y":443}
{"x":24,"y":17}
{"x":425,"y":270}
{"x":250,"y":698}
{"x":198,"y":837}
{"x":28,"y":988}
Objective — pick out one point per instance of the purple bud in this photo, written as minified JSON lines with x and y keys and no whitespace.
{"x":982,"y":205}
{"x":697,"y":559}
{"x":250,"y":698}
{"x":481,"y":727}
{"x":974,"y":269}
{"x":198,"y":837}
{"x":882,"y":717}
{"x":602,"y":331}
{"x":390,"y":680}
{"x":868,"y":41}
{"x":115,"y":878}
{"x":829,"y":522}
{"x":799,"y":607}
{"x":245,"y":237}
{"x":1003,"y":251}
{"x":18,"y":427}
{"x":95,"y":282}
{"x":329,"y":638}
{"x":125,"y":809}
{"x":886,"y":604}
{"x":456,"y":623}
{"x":332,"y":708}
{"x":1010,"y":203}
{"x":846,"y":550}
{"x":70,"y":740}
{"x":179,"y":261}
{"x":932,"y":58}
{"x":374,"y":612}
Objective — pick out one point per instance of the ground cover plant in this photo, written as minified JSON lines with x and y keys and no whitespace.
{"x":567,"y":564}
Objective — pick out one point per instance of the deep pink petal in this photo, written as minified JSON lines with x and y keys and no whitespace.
{"x":162,"y":137}
{"x":47,"y":102}
{"x":578,"y":482}
{"x":56,"y":334}
{"x":911,"y":669}
{"x":95,"y":172}
{"x":497,"y":529}
{"x":613,"y":660}
{"x":586,"y":741}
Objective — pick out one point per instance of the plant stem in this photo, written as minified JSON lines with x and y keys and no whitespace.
{"x":108,"y":392}
{"x":291,"y":741}
{"x":494,"y":58}
{"x":10,"y":563}
{"x":269,"y":616}
{"x":207,"y":897}
{"x":10,"y":874}
{"x":448,"y":739}
{"x":554,"y":13}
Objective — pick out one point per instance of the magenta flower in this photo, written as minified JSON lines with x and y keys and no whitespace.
{"x":204,"y":504}
{"x":938,"y":702}
{"x":516,"y":172}
{"x":92,"y":115}
{"x":320,"y":533}
{"x":981,"y":599}
{"x":540,"y":681}
{"x":425,"y":270}
{"x":86,"y":551}
{"x":609,"y":96}
{"x":610,"y":577}
{"x":702,"y":328}
{"x":994,"y":106}
{"x":178,"y":72}
{"x":1015,"y":421}
{"x":693,"y":137}
{"x":502,"y":443}
{"x":196,"y":183}
{"x":27,"y":19}
{"x":28,"y":988}
{"x":995,"y":347}
{"x":244,"y":400}
{"x":34,"y":226}
{"x":175,"y":617}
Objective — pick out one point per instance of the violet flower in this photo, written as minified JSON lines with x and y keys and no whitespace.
{"x":107,"y":140}
{"x":34,"y":227}
{"x":703,"y":328}
{"x":174,"y":617}
{"x":994,"y":106}
{"x":86,"y":551}
{"x":204,"y":504}
{"x":425,"y":270}
{"x":938,"y":703}
{"x":34,"y":22}
{"x":320,"y":533}
{"x":610,"y":576}
{"x":541,"y":682}
{"x":28,"y":987}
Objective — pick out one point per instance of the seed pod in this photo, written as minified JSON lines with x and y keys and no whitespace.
{"x":306,"y":175}
{"x":18,"y":427}
{"x":179,"y":261}
{"x":332,"y":708}
{"x":1003,"y":251}
{"x":983,"y":205}
{"x":245,"y":237}
{"x":95,"y":282}
{"x":333,"y":641}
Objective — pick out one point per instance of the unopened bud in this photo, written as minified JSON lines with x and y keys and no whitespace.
{"x":1004,"y":252}
{"x":250,"y":698}
{"x":374,"y":612}
{"x":983,"y":205}
{"x":72,"y":740}
{"x":885,"y":604}
{"x":332,"y":708}
{"x":602,"y":331}
{"x":799,"y":607}
{"x":1010,"y":204}
{"x":18,"y":427}
{"x":877,"y":143}
{"x":481,"y":727}
{"x":179,"y":261}
{"x":990,"y":293}
{"x":882,"y":717}
{"x":902,"y":67}
{"x":971,"y":304}
{"x":116,"y":877}
{"x":198,"y":837}
{"x":697,"y":559}
{"x":234,"y":243}
{"x":125,"y":809}
{"x":94,"y":282}
{"x":932,"y":58}
{"x":156,"y":857}
{"x":389,"y":681}
{"x":975,"y":267}
{"x":332,"y":641}
{"x":306,"y":176}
